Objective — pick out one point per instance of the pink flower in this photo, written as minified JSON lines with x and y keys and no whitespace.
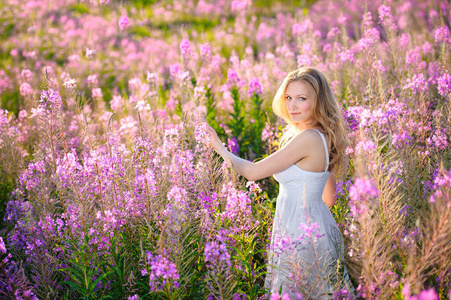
{"x":347,"y":55}
{"x":285,"y":296}
{"x":417,"y":84}
{"x":334,"y":31}
{"x":441,"y":34}
{"x":412,"y":57}
{"x":205,"y":51}
{"x":444,"y":84}
{"x":365,"y":146}
{"x":384,"y":12}
{"x":69,"y":83}
{"x":366,"y":43}
{"x":239,"y":6}
{"x":373,"y":34}
{"x":428,"y":295}
{"x":301,"y":28}
{"x":92,"y":80}
{"x":2,"y":246}
{"x":185,"y":48}
{"x":97,"y":93}
{"x":116,"y":103}
{"x":153,"y":78}
{"x":26,"y":89}
{"x":89,"y":53}
{"x":124,"y":22}
{"x":427,"y":48}
{"x":254,"y":87}
{"x":26,"y":74}
{"x":275,"y":296}
{"x":404,"y":40}
{"x":363,"y":190}
{"x":303,"y":60}
{"x":174,"y":69}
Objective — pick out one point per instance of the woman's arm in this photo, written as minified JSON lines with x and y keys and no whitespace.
{"x":329,"y":190}
{"x":295,"y":150}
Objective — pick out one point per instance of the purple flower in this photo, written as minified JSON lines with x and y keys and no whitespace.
{"x":309,"y":231}
{"x":441,"y":34}
{"x":334,"y":31}
{"x":444,"y":84}
{"x":238,"y":202}
{"x":384,"y":12}
{"x":417,"y":84}
{"x":123,"y":22}
{"x":239,"y":6}
{"x":97,"y":93}
{"x":385,"y":17}
{"x":363,"y":189}
{"x":254,"y":87}
{"x":2,"y":246}
{"x":277,"y":296}
{"x":428,"y":295}
{"x":202,"y":136}
{"x":404,"y":40}
{"x":50,"y":99}
{"x":174,"y":69}
{"x":216,"y":252}
{"x":366,"y":43}
{"x":161,"y":271}
{"x":427,"y":48}
{"x":441,"y":183}
{"x":365,"y":146}
{"x":232,"y":145}
{"x":412,"y":57}
{"x":301,"y":28}
{"x":346,"y":55}
{"x":26,"y":89}
{"x":205,"y":51}
{"x":351,"y":120}
{"x":303,"y":60}
{"x":343,"y":294}
{"x":232,"y":77}
{"x":185,"y":48}
{"x":373,"y":34}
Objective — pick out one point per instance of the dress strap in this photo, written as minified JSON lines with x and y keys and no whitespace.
{"x":325,"y":146}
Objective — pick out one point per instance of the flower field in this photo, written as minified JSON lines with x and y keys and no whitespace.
{"x":107,"y":187}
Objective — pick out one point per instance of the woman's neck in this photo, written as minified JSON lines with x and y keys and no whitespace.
{"x":303,"y":126}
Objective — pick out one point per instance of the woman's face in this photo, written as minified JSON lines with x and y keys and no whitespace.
{"x":298,"y":100}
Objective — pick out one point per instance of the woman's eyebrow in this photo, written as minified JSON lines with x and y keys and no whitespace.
{"x":297,"y":95}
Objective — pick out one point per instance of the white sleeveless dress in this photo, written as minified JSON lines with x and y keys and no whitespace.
{"x":305,"y":241}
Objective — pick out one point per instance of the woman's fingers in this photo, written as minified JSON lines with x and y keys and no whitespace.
{"x":215,"y":142}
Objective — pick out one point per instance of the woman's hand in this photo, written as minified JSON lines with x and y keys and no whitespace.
{"x":215,"y":142}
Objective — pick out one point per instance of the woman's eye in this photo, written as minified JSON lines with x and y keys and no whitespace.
{"x":302,"y":98}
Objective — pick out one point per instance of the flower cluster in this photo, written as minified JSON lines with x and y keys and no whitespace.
{"x":161,"y":271}
{"x":361,"y":194}
{"x":216,"y":252}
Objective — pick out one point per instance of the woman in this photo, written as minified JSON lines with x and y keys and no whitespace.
{"x":306,"y":242}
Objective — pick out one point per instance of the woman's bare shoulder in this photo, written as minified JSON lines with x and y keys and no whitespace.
{"x":307,"y":137}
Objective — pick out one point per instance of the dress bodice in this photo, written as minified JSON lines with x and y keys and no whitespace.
{"x":306,"y":183}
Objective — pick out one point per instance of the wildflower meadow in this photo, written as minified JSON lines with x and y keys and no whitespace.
{"x":108,"y":189}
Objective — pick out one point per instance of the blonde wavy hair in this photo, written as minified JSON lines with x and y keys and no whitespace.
{"x":326,"y":114}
